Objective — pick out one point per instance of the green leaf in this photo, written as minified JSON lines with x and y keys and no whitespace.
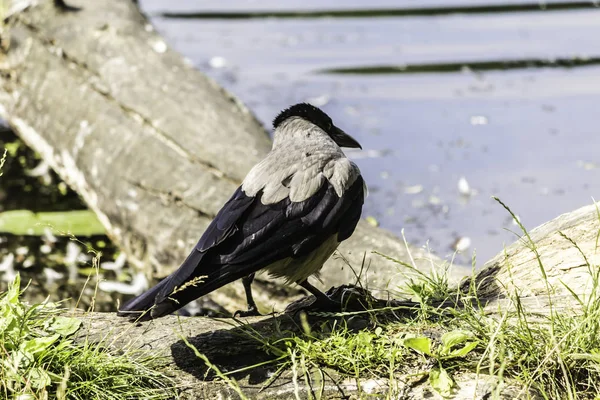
{"x":441,"y":381}
{"x":456,"y":338}
{"x":37,"y":345}
{"x":13,"y":363}
{"x":6,"y":322}
{"x":466,"y":349}
{"x":25,"y":222}
{"x":14,"y":290}
{"x":38,"y":378}
{"x":64,"y":326}
{"x":420,"y":344}
{"x":450,"y":339}
{"x":586,"y":356}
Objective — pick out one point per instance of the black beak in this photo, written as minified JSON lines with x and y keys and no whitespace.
{"x":343,"y":139}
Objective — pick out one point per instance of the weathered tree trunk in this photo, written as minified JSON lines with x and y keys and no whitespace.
{"x":214,"y":338}
{"x":515,"y":270}
{"x":545,"y":267}
{"x":153,"y":146}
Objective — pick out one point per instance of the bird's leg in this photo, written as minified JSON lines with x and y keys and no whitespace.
{"x":252,"y":309}
{"x":322,"y":301}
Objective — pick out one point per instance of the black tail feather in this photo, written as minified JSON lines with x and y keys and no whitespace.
{"x":195,"y":278}
{"x":170,"y":294}
{"x":139,"y":306}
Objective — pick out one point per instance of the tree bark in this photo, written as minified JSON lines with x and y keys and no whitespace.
{"x":152,"y":145}
{"x":566,"y":246}
{"x":213,"y":338}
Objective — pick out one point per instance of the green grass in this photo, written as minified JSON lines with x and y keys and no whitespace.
{"x":551,"y":356}
{"x":40,"y":360}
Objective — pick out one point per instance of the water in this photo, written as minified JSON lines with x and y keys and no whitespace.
{"x":482,"y":95}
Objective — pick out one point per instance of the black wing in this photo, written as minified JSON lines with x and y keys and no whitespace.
{"x":247,"y":235}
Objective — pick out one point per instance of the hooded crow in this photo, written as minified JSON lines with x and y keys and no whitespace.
{"x":289,"y":215}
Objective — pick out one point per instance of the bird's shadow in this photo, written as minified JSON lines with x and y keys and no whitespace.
{"x":248,"y":350}
{"x":236,"y":349}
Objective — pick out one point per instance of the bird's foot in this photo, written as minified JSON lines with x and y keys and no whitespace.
{"x":250,"y":312}
{"x":337,"y":299}
{"x":312,"y":303}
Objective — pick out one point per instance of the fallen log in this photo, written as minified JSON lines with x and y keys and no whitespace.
{"x":152,"y":145}
{"x":566,"y":246}
{"x":213,"y":338}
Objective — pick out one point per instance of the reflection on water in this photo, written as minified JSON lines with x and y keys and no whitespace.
{"x":326,"y":11}
{"x":466,"y":66}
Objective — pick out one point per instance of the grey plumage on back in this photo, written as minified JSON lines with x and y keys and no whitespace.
{"x":302,"y":159}
{"x":287,"y":218}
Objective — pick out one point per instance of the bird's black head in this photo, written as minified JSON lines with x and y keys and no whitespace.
{"x":316,"y":116}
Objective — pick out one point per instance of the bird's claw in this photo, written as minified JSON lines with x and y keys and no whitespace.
{"x":312,"y":303}
{"x":337,"y":299}
{"x":250,"y":312}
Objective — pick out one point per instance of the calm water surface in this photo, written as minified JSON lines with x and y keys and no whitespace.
{"x":482,"y":95}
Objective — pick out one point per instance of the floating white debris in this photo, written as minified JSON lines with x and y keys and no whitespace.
{"x":587,"y":165}
{"x":21,"y":251}
{"x":434,"y":200}
{"x":7,"y":262}
{"x":70,"y":260}
{"x":8,"y":267}
{"x":463,"y":187}
{"x":41,"y":169}
{"x":48,"y":236}
{"x":462,"y":244}
{"x":137,"y":286}
{"x":52,"y":276}
{"x":479,"y":120}
{"x":45,"y":249}
{"x":319,"y":101}
{"x":217,"y":62}
{"x":415,"y":189}
{"x":73,"y":251}
{"x":116,"y":265}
